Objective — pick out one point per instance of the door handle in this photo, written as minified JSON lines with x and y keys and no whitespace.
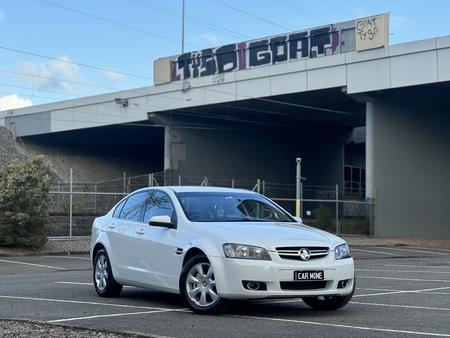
{"x":140,"y":232}
{"x":112,"y":226}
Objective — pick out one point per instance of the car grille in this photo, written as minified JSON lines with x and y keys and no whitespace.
{"x":293,"y":252}
{"x":297,"y":285}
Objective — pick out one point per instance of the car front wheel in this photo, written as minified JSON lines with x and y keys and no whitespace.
{"x":328,"y":303}
{"x":104,"y":282}
{"x":198,"y":286}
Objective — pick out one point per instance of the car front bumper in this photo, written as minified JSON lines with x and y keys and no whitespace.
{"x":230,"y":274}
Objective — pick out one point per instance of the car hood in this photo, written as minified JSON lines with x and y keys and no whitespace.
{"x":268,"y":234}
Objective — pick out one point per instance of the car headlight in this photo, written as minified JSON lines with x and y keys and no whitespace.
{"x":342,"y":251}
{"x":243,"y":251}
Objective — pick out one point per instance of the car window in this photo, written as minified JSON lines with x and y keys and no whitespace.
{"x":119,"y":209}
{"x":158,"y":204}
{"x":132,"y":210}
{"x":230,"y":207}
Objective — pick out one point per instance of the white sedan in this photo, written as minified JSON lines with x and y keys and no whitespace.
{"x":211,"y":245}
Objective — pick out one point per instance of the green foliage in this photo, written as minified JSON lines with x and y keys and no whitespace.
{"x":355,"y":226}
{"x":24,"y":187}
{"x":323,"y":218}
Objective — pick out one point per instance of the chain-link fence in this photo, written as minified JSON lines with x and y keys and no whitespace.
{"x":74,"y":206}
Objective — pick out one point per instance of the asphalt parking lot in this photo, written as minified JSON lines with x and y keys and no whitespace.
{"x":401,"y":291}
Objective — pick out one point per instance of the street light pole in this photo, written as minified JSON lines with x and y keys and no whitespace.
{"x":298,"y":206}
{"x":182,"y":27}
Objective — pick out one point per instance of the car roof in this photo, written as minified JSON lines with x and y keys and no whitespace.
{"x":198,"y":189}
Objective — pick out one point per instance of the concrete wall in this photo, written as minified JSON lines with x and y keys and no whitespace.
{"x":266,"y":154}
{"x":411,"y":169}
{"x":99,"y":154}
{"x":90,"y":165}
{"x":9,"y":149}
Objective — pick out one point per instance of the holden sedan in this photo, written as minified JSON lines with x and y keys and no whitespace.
{"x":211,"y":245}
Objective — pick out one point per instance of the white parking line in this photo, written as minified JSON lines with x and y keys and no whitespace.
{"x":32,"y":264}
{"x":428,"y":248}
{"x":69,"y":257}
{"x":74,"y":283}
{"x":85,"y":284}
{"x":419,"y":266}
{"x":406,"y":279}
{"x":404,"y":306}
{"x":364,"y":328}
{"x":90,"y":303}
{"x":377,"y":289}
{"x":377,"y":252}
{"x":424,"y":292}
{"x":415,"y":250}
{"x":397,"y":292}
{"x":403,"y":271}
{"x":108,"y":315}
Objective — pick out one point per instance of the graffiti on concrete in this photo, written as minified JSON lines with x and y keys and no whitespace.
{"x":245,"y":55}
{"x":367,"y":29}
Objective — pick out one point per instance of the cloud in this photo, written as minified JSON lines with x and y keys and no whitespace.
{"x":2,"y":15}
{"x":13,"y":101}
{"x":401,"y":22}
{"x":206,"y":39}
{"x":52,"y":74}
{"x":112,"y":76}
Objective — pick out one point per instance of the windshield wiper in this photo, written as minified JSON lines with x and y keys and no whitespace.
{"x":246,"y":220}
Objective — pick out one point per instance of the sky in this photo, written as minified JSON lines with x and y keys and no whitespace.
{"x":128,"y":35}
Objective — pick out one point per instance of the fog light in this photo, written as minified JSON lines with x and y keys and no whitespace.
{"x":254,"y":285}
{"x":342,"y":283}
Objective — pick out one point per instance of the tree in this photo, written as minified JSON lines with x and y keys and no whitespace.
{"x":24,"y":197}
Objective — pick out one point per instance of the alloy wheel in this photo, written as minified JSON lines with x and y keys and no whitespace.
{"x":101,"y":273}
{"x":201,"y":285}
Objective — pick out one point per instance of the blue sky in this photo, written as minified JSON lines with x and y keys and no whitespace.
{"x":39,"y":27}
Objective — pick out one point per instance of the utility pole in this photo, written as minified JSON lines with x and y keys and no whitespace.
{"x":298,"y":186}
{"x":182,"y":27}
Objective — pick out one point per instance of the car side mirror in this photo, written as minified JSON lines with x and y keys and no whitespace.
{"x":162,"y":221}
{"x":298,"y":219}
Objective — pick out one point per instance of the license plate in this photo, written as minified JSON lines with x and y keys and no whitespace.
{"x":308,"y":275}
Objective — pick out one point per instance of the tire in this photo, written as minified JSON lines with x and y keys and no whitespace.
{"x":104,"y":282}
{"x":198,"y":290}
{"x":329,"y":303}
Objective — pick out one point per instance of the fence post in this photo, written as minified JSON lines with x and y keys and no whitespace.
{"x":258,"y":186}
{"x":179,"y":180}
{"x":124,"y":181}
{"x":232,"y":183}
{"x":264,"y":187}
{"x":95,"y":198}
{"x":337,"y":209}
{"x":150,"y":180}
{"x":298,"y":190}
{"x":70,"y":204}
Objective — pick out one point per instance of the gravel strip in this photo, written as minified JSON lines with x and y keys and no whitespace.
{"x":25,"y":329}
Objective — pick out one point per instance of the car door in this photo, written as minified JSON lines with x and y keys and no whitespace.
{"x":122,"y":235}
{"x":154,"y":249}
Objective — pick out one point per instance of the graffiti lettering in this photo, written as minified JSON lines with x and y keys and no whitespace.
{"x":278,"y":49}
{"x":367,"y":29}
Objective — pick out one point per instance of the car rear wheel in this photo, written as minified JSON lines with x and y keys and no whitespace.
{"x":104,"y":282}
{"x":198,"y":286}
{"x":329,"y":303}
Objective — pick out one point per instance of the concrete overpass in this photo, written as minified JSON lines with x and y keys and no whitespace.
{"x":253,"y":123}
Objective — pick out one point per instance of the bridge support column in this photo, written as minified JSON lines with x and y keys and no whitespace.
{"x":408,"y":165}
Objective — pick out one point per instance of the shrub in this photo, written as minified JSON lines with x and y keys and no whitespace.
{"x":323,"y":218}
{"x":24,"y":187}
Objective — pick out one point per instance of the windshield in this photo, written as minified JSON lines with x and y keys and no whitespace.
{"x":230,"y":207}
